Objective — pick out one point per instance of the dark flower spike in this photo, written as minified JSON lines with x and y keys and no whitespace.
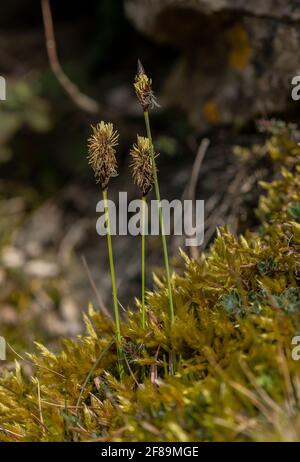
{"x":143,"y":89}
{"x":102,"y":153}
{"x":141,"y":166}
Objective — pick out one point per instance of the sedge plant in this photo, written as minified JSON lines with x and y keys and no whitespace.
{"x":142,"y":174}
{"x":102,"y":159}
{"x":145,"y":95}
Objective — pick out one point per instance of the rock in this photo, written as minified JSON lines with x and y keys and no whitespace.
{"x":33,"y":249}
{"x":56,"y":327}
{"x":41,"y":269}
{"x":8,"y":315}
{"x":42,"y":228}
{"x":237,"y":58}
{"x":69,"y":310}
{"x":12,"y":258}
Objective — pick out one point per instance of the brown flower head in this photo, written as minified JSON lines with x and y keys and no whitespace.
{"x":141,"y":166}
{"x":143,"y":89}
{"x":102,"y":153}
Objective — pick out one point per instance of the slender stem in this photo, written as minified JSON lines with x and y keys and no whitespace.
{"x":161,"y":222}
{"x":113,"y":283}
{"x":144,"y":204}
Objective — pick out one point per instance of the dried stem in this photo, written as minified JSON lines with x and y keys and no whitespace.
{"x":81,"y":100}
{"x":95,"y":289}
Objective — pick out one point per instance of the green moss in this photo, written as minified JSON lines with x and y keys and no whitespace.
{"x":237,"y":310}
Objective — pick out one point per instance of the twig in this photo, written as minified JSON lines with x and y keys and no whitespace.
{"x":63,"y":406}
{"x":94,"y":287}
{"x":131,"y":372}
{"x":39,"y":402}
{"x":191,"y":190}
{"x":5,"y":430}
{"x":34,"y":364}
{"x":153,"y":369}
{"x":81,"y":100}
{"x":217,"y":217}
{"x":39,"y":422}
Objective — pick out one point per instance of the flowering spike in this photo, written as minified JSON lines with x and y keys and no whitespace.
{"x":102,"y":153}
{"x":143,"y":89}
{"x":141,"y":166}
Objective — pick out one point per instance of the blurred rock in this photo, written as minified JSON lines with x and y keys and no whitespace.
{"x":33,"y":249}
{"x":42,"y":228}
{"x":12,"y":258}
{"x":8,"y":315}
{"x":69,"y":310}
{"x":41,"y":269}
{"x":237,"y":58}
{"x":56,"y":327}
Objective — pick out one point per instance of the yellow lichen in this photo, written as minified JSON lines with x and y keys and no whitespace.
{"x":239,"y":48}
{"x":211,"y":112}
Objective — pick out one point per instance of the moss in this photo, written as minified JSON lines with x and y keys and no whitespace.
{"x":237,"y":310}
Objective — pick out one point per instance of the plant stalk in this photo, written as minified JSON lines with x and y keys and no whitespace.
{"x":113,"y":283}
{"x":161,"y":222}
{"x":144,"y":205}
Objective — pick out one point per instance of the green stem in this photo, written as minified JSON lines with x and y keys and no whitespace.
{"x":144,"y":204}
{"x":113,"y":283}
{"x":161,"y":222}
